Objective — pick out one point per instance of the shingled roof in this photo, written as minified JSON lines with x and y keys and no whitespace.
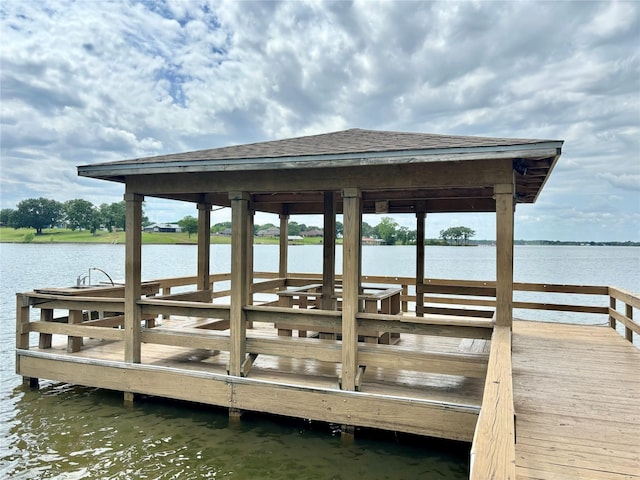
{"x":394,"y":167}
{"x":346,"y":142}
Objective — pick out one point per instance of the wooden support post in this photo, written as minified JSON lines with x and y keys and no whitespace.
{"x":132,"y":286}
{"x":239,"y":294}
{"x":329,"y":252}
{"x":46,"y":315}
{"x":420,"y":221}
{"x":284,"y":245}
{"x":352,"y":202}
{"x":204,"y":246}
{"x":249,"y":240}
{"x":503,"y":194}
{"x":129,"y":399}
{"x":74,"y":343}
{"x":628,"y":333}
{"x":612,"y":306}
{"x":22,"y":335}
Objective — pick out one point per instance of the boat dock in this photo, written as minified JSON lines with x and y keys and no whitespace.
{"x":434,"y":357}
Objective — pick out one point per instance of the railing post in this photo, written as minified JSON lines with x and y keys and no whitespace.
{"x":204,"y":245}
{"x":628,"y":333}
{"x":612,"y":306}
{"x":22,"y":335}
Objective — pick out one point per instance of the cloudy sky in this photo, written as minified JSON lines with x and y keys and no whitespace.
{"x":93,"y":81}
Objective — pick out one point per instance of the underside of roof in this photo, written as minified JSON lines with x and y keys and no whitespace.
{"x":397,"y":172}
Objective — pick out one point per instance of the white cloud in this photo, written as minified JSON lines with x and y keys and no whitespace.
{"x":82,"y":84}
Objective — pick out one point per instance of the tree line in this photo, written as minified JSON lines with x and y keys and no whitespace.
{"x":78,"y":214}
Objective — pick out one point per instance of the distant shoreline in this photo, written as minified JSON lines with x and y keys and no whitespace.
{"x":25,"y":235}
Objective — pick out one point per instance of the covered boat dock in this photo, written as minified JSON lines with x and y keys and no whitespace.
{"x":343,"y":348}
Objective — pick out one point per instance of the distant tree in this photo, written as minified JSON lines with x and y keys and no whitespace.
{"x":339,"y":229}
{"x":189,"y":224}
{"x":38,"y":213}
{"x":404,"y":236}
{"x":457,"y":235}
{"x":113,"y":215}
{"x":388,"y":230}
{"x":296,"y":228}
{"x":367,"y":230}
{"x":82,"y":215}
{"x":220,"y":227}
{"x":6,"y":216}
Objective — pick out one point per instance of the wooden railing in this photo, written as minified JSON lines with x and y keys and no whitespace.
{"x":493,"y":453}
{"x":630,"y":301}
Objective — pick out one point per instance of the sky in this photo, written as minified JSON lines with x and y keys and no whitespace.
{"x":85,"y":82}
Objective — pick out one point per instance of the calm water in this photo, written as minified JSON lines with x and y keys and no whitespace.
{"x":68,"y":432}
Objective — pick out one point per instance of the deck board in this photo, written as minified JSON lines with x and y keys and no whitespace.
{"x":577,"y":398}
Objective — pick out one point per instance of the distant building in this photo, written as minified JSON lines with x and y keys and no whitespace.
{"x":163,"y":228}
{"x":269,"y":232}
{"x":372,"y":241}
{"x":312,"y":233}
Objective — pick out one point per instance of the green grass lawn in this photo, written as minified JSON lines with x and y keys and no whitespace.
{"x":61,"y":235}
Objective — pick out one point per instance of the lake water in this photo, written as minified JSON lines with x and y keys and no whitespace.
{"x":69,"y":432}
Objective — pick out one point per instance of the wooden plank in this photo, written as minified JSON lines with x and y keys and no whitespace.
{"x":76,"y":330}
{"x":396,"y":357}
{"x":625,"y":296}
{"x":74,"y":343}
{"x":46,"y":315}
{"x":304,"y":348}
{"x":187,"y":309}
{"x":493,"y":447}
{"x":206,"y":340}
{"x":328,"y":251}
{"x":625,"y":320}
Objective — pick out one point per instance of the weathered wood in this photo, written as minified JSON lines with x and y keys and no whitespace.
{"x":350,"y":285}
{"x":283,"y":260}
{"x":22,"y":321}
{"x":504,"y":253}
{"x":132,"y":289}
{"x":329,"y":252}
{"x":625,"y":296}
{"x":75,"y":331}
{"x":239,"y":284}
{"x":420,"y":235}
{"x":422,"y":417}
{"x":153,"y":306}
{"x":493,"y":447}
{"x":626,"y":320}
{"x":74,"y":343}
{"x":204,"y":246}
{"x":46,"y":315}
{"x":189,"y":339}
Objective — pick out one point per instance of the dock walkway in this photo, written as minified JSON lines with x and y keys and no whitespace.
{"x":577,"y":399}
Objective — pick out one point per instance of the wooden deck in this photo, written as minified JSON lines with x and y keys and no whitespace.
{"x":577,"y":397}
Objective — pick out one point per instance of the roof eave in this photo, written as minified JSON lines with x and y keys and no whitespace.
{"x":116,"y":171}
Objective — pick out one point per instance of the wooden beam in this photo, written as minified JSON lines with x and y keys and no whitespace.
{"x":504,"y":253}
{"x":472,"y":173}
{"x":132,"y":287}
{"x":351,"y":245}
{"x":329,"y":252}
{"x":239,"y":286}
{"x":204,"y":246}
{"x":420,"y":224}
{"x":284,"y":245}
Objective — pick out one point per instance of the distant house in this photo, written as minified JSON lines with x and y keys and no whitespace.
{"x":226,"y":232}
{"x":269,"y":232}
{"x":372,"y":241}
{"x":312,"y":233}
{"x":163,"y":228}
